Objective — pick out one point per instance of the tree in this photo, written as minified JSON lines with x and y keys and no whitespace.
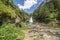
{"x":49,"y":11}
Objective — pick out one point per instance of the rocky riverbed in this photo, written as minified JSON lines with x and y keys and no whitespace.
{"x":37,"y":32}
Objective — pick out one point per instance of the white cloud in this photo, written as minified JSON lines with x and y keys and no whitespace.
{"x":27,"y":4}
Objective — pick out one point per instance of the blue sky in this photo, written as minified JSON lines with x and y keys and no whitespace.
{"x":27,"y":10}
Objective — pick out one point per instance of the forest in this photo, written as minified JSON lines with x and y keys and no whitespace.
{"x":13,"y":20}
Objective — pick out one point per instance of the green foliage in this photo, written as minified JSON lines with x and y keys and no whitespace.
{"x":10,"y":32}
{"x":24,"y":26}
{"x":58,"y":17}
{"x":7,"y":10}
{"x":48,"y":12}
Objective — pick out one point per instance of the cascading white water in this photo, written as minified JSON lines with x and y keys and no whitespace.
{"x":31,"y":20}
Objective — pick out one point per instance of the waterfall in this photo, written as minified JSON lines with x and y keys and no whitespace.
{"x":31,"y":20}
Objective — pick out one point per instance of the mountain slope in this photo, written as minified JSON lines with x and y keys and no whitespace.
{"x":8,"y":11}
{"x":48,"y":12}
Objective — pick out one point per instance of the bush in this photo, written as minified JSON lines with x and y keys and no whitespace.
{"x":7,"y":10}
{"x":10,"y":32}
{"x":24,"y":26}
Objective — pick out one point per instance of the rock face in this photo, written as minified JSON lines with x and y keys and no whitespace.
{"x":17,"y":20}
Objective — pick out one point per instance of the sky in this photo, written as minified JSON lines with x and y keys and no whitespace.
{"x":28,"y":5}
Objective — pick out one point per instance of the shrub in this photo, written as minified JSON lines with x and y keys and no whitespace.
{"x":10,"y":32}
{"x":24,"y":26}
{"x":7,"y":10}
